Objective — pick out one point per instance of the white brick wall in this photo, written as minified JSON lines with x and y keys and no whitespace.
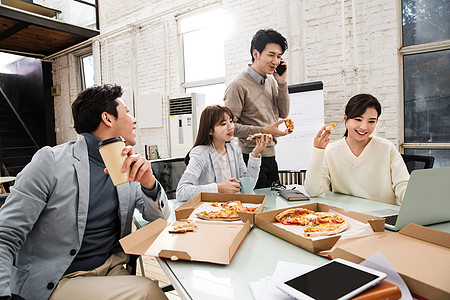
{"x":64,"y":75}
{"x":147,"y":59}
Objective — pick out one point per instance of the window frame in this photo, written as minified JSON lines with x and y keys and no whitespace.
{"x":79,"y":55}
{"x":409,"y":50}
{"x":198,"y":83}
{"x":97,"y":18}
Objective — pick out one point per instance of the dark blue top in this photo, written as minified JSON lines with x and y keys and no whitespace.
{"x":103,"y":223}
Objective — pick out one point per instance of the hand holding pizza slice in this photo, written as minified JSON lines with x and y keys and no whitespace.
{"x":259,"y":135}
{"x":331,"y":126}
{"x":289,"y":124}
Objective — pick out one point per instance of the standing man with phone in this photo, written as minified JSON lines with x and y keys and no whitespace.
{"x":258,"y":101}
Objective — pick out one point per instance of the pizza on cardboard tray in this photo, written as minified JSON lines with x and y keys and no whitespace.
{"x":238,"y":206}
{"x":184,"y":227}
{"x":220,"y":215}
{"x":228,"y":213}
{"x":316,"y":223}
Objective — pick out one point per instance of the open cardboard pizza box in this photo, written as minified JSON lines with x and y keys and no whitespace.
{"x":211,"y":242}
{"x":266,"y":221}
{"x":419,"y":254}
{"x":185,"y":210}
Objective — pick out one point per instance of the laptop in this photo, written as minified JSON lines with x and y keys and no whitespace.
{"x":426,"y":200}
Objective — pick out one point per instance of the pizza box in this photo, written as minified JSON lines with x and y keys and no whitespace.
{"x":419,"y":254}
{"x":266,"y":221}
{"x":211,"y":242}
{"x":185,"y":210}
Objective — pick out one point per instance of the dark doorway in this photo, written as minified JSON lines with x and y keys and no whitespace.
{"x":26,"y":112}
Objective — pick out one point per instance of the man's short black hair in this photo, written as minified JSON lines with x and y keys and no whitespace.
{"x":264,"y":37}
{"x":91,"y":103}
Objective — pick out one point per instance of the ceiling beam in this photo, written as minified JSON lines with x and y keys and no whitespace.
{"x":13,"y":29}
{"x":15,"y":14}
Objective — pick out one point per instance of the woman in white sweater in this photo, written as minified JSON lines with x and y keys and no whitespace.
{"x":214,"y":164}
{"x":359,"y":164}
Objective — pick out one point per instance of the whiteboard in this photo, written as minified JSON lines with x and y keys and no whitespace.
{"x":307,"y":112}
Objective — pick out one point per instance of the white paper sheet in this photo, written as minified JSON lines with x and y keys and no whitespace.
{"x":266,"y":287}
{"x":380,"y":263}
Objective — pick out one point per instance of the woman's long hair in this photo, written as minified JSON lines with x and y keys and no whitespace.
{"x":357,"y":106}
{"x":210,"y":116}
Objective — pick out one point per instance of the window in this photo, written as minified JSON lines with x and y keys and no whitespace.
{"x":77,"y":12}
{"x":426,"y":72}
{"x":202,"y":42}
{"x":87,"y":71}
{"x":213,"y":93}
{"x":84,"y":13}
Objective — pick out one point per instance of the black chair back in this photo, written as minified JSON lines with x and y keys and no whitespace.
{"x":168,"y":171}
{"x":416,"y":162}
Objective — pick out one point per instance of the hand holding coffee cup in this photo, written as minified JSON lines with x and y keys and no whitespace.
{"x":140,"y":169}
{"x":247,"y":185}
{"x":228,"y":186}
{"x":124,"y":166}
{"x":111,"y":151}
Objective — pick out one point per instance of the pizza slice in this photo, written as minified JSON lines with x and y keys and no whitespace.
{"x":331,"y":126}
{"x":184,"y":227}
{"x":293,"y":216}
{"x":258,"y":135}
{"x":221,"y":215}
{"x":238,"y":206}
{"x":325,"y":224}
{"x":289,"y":124}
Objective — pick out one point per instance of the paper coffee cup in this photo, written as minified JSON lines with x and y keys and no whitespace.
{"x":111,"y":152}
{"x":247,"y":184}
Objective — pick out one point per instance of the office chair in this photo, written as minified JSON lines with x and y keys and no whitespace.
{"x":132,"y":264}
{"x":416,"y":162}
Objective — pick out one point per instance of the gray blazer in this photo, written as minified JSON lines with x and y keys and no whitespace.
{"x":203,"y":171}
{"x":44,"y":218}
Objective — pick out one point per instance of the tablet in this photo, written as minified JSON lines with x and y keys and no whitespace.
{"x":337,"y":279}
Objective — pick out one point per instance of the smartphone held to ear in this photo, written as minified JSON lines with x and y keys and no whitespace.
{"x":280,"y":69}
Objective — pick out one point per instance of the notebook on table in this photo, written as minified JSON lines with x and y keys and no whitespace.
{"x":293,"y":195}
{"x":426,"y":200}
{"x":382,"y":291}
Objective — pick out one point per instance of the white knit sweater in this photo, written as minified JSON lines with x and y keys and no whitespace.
{"x":378,"y":173}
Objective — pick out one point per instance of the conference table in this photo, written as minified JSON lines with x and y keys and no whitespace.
{"x":258,"y":254}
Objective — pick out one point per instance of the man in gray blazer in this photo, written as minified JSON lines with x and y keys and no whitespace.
{"x":60,"y":226}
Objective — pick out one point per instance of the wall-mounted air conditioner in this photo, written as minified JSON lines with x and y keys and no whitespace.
{"x":184,"y":116}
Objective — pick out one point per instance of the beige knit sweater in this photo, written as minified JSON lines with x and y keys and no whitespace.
{"x":378,"y":173}
{"x":255,"y":106}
